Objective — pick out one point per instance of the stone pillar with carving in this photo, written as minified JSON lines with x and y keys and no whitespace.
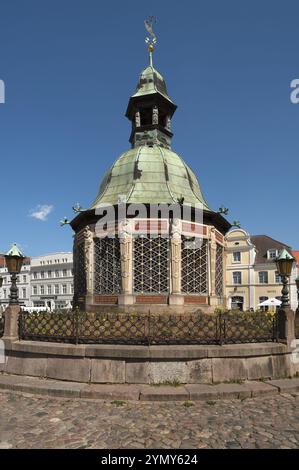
{"x":212,"y":270}
{"x":126,"y":260}
{"x":137,"y":119}
{"x":89,"y":264}
{"x":176,"y":297}
{"x":155,"y":119}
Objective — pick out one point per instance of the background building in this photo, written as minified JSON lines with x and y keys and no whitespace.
{"x":251,"y":274}
{"x":52,"y":280}
{"x":44,"y":281}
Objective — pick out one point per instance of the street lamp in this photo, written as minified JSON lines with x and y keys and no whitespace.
{"x":284,"y":263}
{"x":14,"y":260}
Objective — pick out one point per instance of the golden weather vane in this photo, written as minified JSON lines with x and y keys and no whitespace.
{"x":150,"y":40}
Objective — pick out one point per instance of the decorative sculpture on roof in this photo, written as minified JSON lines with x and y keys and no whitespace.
{"x":150,"y":40}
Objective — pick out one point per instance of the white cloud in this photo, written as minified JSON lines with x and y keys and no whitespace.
{"x":41,"y":212}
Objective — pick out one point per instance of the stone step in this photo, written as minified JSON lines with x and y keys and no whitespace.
{"x":192,"y":392}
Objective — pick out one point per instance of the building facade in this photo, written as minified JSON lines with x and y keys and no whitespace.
{"x":251,"y":273}
{"x":44,"y":281}
{"x":51,"y":280}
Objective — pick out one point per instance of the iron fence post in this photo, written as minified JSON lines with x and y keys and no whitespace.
{"x":147,"y":329}
{"x":276,"y":335}
{"x":76,"y":324}
{"x":219,"y":335}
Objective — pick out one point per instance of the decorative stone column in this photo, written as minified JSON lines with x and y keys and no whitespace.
{"x":286,"y":325}
{"x":212,"y":270}
{"x":89,"y":264}
{"x":176,"y":297}
{"x":126,"y":260}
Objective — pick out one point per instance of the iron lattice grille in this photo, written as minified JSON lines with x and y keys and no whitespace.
{"x":99,"y":328}
{"x":79,"y":270}
{"x":107,"y":268}
{"x":48,"y":326}
{"x":248,"y":327}
{"x":219,"y":271}
{"x":194,"y":266}
{"x":151,"y":264}
{"x":184,"y":329}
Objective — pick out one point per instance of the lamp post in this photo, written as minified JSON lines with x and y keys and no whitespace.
{"x":297,"y":285}
{"x":14,"y":260}
{"x":284,"y":263}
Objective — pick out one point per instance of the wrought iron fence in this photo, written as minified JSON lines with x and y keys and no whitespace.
{"x":197,"y":328}
{"x":1,"y":326}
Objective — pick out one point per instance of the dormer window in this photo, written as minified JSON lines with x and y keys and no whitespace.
{"x":272,"y":253}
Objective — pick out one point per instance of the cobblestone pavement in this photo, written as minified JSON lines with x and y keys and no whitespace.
{"x":33,"y":422}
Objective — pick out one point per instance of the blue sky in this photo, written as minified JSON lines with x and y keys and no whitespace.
{"x":69,"y":67}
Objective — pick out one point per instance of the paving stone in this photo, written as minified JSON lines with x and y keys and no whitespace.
{"x":286,"y":385}
{"x":111,"y":392}
{"x":163,"y":393}
{"x":31,"y":421}
{"x":233,"y":391}
{"x":202,"y":392}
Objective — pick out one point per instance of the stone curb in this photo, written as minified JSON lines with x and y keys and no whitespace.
{"x":189,"y":392}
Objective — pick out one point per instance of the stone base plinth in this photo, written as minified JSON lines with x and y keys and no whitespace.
{"x":176,"y":299}
{"x":126,"y":299}
{"x":148,"y":364}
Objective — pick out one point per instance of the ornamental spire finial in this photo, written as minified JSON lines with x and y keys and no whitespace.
{"x":150,"y":40}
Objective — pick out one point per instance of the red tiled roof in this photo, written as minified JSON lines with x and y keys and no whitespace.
{"x":296,"y":256}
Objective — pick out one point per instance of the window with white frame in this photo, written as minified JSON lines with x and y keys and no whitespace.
{"x":42,"y":290}
{"x":263,"y":277}
{"x":64,"y":289}
{"x":49,"y":290}
{"x":35,"y":275}
{"x":237,"y":277}
{"x":272,"y":253}
{"x":34,"y":290}
{"x":56,"y":289}
{"x":277,"y":278}
{"x":236,"y":256}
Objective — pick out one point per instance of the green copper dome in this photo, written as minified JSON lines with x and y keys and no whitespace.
{"x":149,"y":175}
